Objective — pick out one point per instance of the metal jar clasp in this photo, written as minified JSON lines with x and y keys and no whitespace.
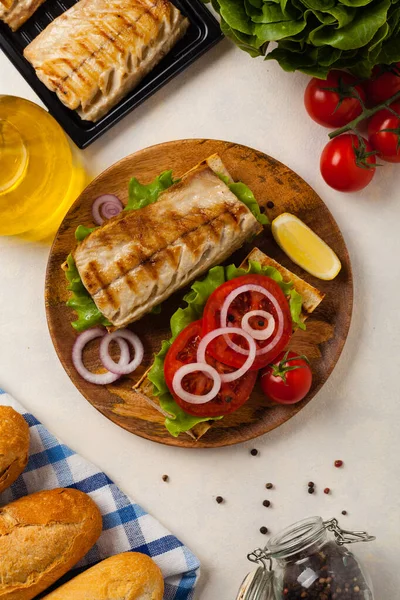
{"x":343,"y":536}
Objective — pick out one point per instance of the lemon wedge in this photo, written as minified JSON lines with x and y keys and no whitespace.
{"x":304,"y":247}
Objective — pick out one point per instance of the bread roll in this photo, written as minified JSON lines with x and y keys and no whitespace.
{"x":127,"y":576}
{"x":41,"y":537}
{"x":14,"y":446}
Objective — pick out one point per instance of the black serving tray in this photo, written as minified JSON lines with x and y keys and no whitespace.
{"x":202,"y":34}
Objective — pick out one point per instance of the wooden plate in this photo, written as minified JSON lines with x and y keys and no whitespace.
{"x":271,"y":182}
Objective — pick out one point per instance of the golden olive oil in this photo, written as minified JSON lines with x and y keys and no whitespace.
{"x":40,"y":174}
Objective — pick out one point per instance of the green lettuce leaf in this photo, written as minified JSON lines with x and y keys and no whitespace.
{"x":245,"y":42}
{"x":81,"y":301}
{"x":82,"y":232}
{"x":196,"y":299}
{"x":234,"y":13}
{"x":141,"y":195}
{"x":390,"y":52}
{"x":245,"y":195}
{"x":358,"y":33}
{"x":369,"y":27}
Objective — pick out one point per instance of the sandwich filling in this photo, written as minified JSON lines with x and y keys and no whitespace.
{"x":179,"y":420}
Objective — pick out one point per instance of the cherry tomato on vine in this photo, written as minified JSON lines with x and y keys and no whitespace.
{"x":331,"y":108}
{"x":288,"y":379}
{"x":386,"y":142}
{"x":384,"y":83}
{"x":339,"y":165}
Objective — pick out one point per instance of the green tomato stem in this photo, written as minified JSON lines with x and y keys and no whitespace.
{"x":366,"y":113}
{"x":280,"y":369}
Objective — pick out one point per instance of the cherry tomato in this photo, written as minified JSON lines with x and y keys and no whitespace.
{"x":242,"y":304}
{"x":288,"y":379}
{"x":324,"y":106}
{"x":231,"y":395}
{"x":338,"y":164}
{"x":386,"y":142}
{"x":383,"y":84}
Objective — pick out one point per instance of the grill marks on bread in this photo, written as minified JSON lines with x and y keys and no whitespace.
{"x":98,"y":50}
{"x":140,"y":257}
{"x":16,"y":12}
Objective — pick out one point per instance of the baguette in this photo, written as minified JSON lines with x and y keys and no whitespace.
{"x":41,"y":537}
{"x":310,"y":295}
{"x":14,"y":446}
{"x":127,"y":576}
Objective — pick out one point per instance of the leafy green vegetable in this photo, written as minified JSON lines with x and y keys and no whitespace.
{"x":245,"y":195}
{"x":82,"y":232}
{"x":141,"y":195}
{"x":195,"y":300}
{"x":315,"y":36}
{"x":81,"y":301}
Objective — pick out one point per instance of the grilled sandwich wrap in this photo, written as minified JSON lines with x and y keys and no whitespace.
{"x":16,"y":12}
{"x":311,"y":298}
{"x":139,"y":258}
{"x":96,"y":52}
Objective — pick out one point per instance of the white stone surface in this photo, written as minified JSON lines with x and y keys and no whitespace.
{"x":355,"y":417}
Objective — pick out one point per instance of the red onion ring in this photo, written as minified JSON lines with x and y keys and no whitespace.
{"x":109,"y":363}
{"x":252,"y":288}
{"x":110,"y":206}
{"x":226,"y":377}
{"x":77,"y":350}
{"x":258,"y":334}
{"x":194,"y":398}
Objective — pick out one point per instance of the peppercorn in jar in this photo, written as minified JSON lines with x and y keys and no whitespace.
{"x":309,"y":565}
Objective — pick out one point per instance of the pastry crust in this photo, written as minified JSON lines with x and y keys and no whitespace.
{"x":139,"y":258}
{"x":127,"y":576}
{"x":16,"y":12}
{"x":96,"y":52}
{"x":14,"y":446}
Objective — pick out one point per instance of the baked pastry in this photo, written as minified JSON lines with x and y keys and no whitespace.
{"x":14,"y":446}
{"x":16,"y":12}
{"x":139,"y":258}
{"x":127,"y":576}
{"x":96,"y":52}
{"x":41,"y":537}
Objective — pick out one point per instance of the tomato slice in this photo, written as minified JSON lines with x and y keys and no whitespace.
{"x":245,"y":302}
{"x":231,"y":395}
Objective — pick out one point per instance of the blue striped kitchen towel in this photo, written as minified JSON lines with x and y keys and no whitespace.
{"x":126,"y":526}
